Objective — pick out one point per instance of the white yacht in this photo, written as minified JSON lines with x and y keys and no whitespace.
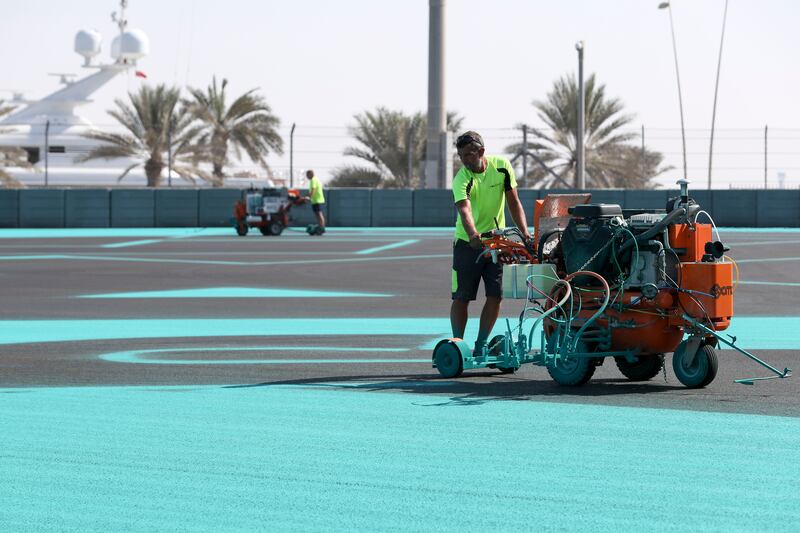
{"x":52,"y":132}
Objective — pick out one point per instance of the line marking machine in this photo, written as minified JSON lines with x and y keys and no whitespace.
{"x":632,"y":284}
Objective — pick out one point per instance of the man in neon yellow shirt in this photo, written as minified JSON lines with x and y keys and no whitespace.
{"x":480,"y":190}
{"x":317,"y":199}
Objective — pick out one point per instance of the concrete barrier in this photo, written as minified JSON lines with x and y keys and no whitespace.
{"x":434,"y":208}
{"x":392,"y":207}
{"x":645,"y":199}
{"x":41,"y":208}
{"x":349,"y":207}
{"x":734,"y":208}
{"x":777,"y":209}
{"x":176,"y":208}
{"x":56,"y":208}
{"x":87,"y":208}
{"x":215,"y":206}
{"x":133,"y":208}
{"x":9,"y":208}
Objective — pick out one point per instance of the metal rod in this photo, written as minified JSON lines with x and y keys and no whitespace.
{"x":644,"y":157}
{"x":410,"y":162}
{"x":766,"y":130}
{"x":291,"y":156}
{"x":524,"y":151}
{"x":668,"y":6}
{"x":580,"y":180}
{"x":786,"y":371}
{"x":169,"y":153}
{"x":716,"y":90}
{"x":46,"y":152}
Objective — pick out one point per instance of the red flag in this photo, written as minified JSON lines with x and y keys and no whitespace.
{"x":141,"y":74}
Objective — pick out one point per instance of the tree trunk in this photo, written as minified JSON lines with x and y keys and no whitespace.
{"x":152,"y":169}
{"x":219,"y":177}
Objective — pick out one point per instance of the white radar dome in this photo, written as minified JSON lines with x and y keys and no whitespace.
{"x":130,"y":46}
{"x":87,"y":43}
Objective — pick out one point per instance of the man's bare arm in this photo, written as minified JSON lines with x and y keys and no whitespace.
{"x":465,"y":212}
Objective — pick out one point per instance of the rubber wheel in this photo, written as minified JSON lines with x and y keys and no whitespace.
{"x":572,"y":371}
{"x":703,"y":369}
{"x":241,"y":229}
{"x":447,"y":358}
{"x":646,"y":368}
{"x":264,"y":230}
{"x":496,"y":349}
{"x":275,"y":228}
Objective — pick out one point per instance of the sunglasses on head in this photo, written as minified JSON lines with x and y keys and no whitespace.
{"x":466,"y":139}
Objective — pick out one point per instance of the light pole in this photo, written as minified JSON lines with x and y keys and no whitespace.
{"x":46,"y":152}
{"x":436,"y":172}
{"x":580,"y":181}
{"x":668,"y":7}
{"x":291,"y":156}
{"x":716,"y":89}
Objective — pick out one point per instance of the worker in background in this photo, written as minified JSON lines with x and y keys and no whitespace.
{"x":317,"y":199}
{"x":480,"y":190}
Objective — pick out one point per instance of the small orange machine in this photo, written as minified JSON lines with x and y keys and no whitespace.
{"x":266,"y":209}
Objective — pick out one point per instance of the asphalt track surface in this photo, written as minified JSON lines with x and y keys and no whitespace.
{"x":192,"y":379}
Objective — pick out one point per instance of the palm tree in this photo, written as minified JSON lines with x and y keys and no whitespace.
{"x":604,"y":147}
{"x":153,"y":124}
{"x":387,"y":137}
{"x":355,"y":176}
{"x":11,"y":157}
{"x":248,"y":124}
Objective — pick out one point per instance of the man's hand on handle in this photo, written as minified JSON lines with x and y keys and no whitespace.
{"x":475,"y":242}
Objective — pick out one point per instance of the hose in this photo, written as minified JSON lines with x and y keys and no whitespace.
{"x":666,"y":221}
{"x":599,"y":311}
{"x":709,"y":218}
{"x":567,"y":295}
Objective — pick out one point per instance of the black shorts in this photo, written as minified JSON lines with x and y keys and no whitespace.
{"x":467,"y":273}
{"x":316,"y":207}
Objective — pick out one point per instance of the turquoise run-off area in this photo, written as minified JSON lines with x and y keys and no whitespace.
{"x":284,"y":458}
{"x":236,"y":292}
{"x":766,"y":333}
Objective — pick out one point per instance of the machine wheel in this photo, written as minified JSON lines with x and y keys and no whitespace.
{"x":703,"y":369}
{"x":647,"y":367}
{"x":447,"y":358}
{"x":572,"y":371}
{"x":496,"y":345}
{"x":241,"y":228}
{"x":273,"y":228}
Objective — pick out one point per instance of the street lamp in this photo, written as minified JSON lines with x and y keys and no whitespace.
{"x":581,"y":181}
{"x":668,"y":7}
{"x":716,"y":89}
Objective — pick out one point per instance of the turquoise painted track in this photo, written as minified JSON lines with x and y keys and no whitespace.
{"x":766,"y":333}
{"x":283,"y":458}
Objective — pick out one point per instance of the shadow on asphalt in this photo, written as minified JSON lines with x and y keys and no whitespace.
{"x":474,"y":388}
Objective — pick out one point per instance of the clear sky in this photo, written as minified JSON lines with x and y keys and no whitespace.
{"x":320,"y":62}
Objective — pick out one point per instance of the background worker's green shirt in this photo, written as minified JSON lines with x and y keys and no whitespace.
{"x":315,"y":187}
{"x":486,"y":194}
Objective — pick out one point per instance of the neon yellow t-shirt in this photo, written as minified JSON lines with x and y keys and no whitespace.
{"x":486,"y":194}
{"x":315,"y":189}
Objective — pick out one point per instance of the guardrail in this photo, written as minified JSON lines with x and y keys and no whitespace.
{"x":119,"y":208}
